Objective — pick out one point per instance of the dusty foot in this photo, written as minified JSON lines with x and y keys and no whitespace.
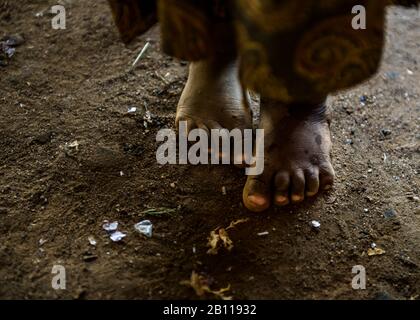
{"x":297,"y":156}
{"x":213,"y":98}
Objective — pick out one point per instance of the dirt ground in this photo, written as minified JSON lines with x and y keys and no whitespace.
{"x":72,"y":85}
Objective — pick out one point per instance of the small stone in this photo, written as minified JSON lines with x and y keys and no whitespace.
{"x":349,"y":141}
{"x":390,"y":213}
{"x":386,"y":132}
{"x":315,"y":224}
{"x":392,"y":75}
{"x":224,"y":190}
{"x":13,"y":40}
{"x":92,"y":241}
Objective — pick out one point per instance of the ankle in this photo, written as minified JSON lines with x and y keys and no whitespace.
{"x":316,"y":111}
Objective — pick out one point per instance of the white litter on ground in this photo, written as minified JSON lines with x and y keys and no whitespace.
{"x":315,"y":224}
{"x":117,"y":236}
{"x":145,"y":227}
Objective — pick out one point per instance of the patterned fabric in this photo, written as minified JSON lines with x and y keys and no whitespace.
{"x":292,"y":51}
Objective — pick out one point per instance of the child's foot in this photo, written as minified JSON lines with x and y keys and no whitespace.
{"x":213,"y":98}
{"x":296,"y":156}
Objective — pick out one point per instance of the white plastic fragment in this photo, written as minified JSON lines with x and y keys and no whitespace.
{"x":117,"y":236}
{"x":315,"y":224}
{"x":92,"y":241}
{"x":110,"y":226}
{"x":265,"y":233}
{"x":132,"y":110}
{"x":145,"y":227}
{"x":74,"y":144}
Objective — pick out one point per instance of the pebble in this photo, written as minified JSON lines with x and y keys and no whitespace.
{"x":386,"y":132}
{"x":390,"y":213}
{"x":92,"y":241}
{"x":315,"y":224}
{"x":13,"y":40}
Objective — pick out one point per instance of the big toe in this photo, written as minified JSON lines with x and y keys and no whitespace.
{"x":256,"y":194}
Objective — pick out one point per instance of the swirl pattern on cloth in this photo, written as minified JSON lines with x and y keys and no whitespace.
{"x":293,"y":51}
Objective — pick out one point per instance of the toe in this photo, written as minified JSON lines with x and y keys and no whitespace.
{"x":202,"y":126}
{"x":281,"y":182}
{"x":312,"y":182}
{"x":256,"y":194}
{"x":211,"y":124}
{"x":297,"y":186}
{"x":184,"y":125}
{"x":326,"y":176}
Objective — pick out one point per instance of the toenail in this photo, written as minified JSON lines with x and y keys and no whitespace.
{"x":296,"y":198}
{"x":310,"y":193}
{"x":257,"y":200}
{"x":282,"y":199}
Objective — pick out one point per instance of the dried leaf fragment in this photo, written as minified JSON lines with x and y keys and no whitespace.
{"x":220,"y":238}
{"x":201,"y":286}
{"x":375,"y":251}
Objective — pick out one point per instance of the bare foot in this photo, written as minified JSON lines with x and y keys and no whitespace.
{"x":213,"y":97}
{"x":297,"y":159}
